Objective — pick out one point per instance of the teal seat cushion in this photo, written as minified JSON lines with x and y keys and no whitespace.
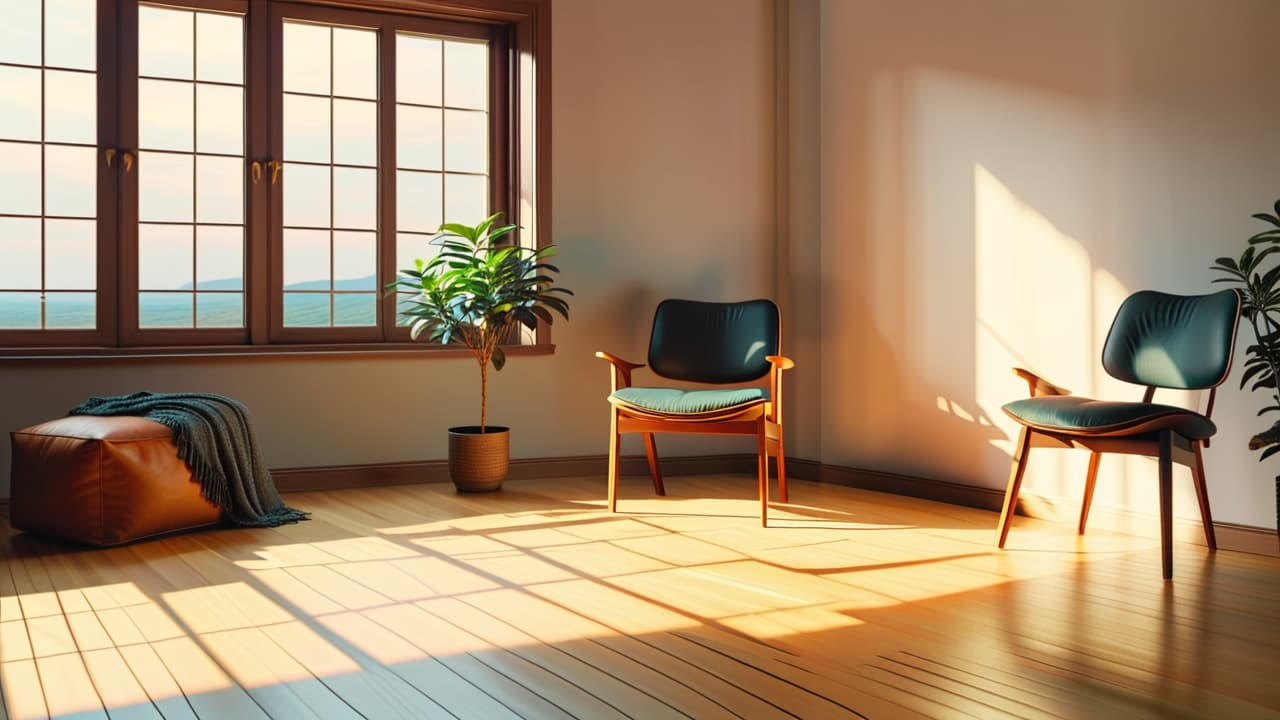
{"x":1082,"y":416}
{"x":672,"y":401}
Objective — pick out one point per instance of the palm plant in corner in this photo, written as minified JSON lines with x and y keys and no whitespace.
{"x":478,"y":291}
{"x":1261,"y":309}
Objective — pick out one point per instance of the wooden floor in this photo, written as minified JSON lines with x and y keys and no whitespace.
{"x":415,"y":602}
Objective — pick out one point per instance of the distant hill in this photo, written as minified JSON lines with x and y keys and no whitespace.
{"x":21,"y":310}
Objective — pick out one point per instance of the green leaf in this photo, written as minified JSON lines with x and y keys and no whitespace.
{"x":499,"y":358}
{"x":1273,"y":219}
{"x":1272,"y":450}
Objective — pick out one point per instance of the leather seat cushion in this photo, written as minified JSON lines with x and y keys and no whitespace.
{"x":673,"y":401}
{"x":103,"y":481}
{"x":1069,"y":414}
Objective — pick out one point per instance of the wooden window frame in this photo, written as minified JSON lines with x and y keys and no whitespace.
{"x":520,"y":125}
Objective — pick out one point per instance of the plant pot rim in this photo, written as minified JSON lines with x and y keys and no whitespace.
{"x":475,"y":430}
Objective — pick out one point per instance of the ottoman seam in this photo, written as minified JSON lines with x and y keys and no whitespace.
{"x":82,"y":437}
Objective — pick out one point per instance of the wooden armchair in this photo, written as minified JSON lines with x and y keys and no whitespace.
{"x":702,"y":342}
{"x":1157,"y":340}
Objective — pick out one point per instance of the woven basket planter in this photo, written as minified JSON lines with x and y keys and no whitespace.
{"x":478,"y":461}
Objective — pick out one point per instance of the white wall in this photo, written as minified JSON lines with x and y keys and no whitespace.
{"x":996,"y":176}
{"x":663,"y":185}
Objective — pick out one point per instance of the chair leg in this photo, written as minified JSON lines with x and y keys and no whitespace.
{"x":1166,"y":504}
{"x":1020,"y":453}
{"x":1202,"y":494}
{"x":615,"y":441}
{"x":782,"y":470}
{"x":1089,"y":481}
{"x":762,"y":471}
{"x":655,"y":472}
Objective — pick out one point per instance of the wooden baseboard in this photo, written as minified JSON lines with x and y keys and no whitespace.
{"x":349,"y":476}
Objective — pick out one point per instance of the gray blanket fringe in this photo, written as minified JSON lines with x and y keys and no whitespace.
{"x":215,"y":438}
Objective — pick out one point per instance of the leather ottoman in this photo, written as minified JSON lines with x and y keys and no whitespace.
{"x":103,"y":481}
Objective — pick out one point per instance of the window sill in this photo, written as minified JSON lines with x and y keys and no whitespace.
{"x":45,"y":355}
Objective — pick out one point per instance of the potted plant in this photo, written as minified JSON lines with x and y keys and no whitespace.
{"x":1260,"y":288}
{"x":478,"y":291}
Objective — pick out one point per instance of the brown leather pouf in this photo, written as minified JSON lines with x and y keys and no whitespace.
{"x":103,"y":481}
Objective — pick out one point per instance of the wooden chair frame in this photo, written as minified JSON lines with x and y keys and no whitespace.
{"x":763,"y":420}
{"x":1146,"y":439}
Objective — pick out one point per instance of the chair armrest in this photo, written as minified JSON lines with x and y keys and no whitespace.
{"x":777,"y":363}
{"x":621,"y":369}
{"x":781,"y":362}
{"x":1038,"y":386}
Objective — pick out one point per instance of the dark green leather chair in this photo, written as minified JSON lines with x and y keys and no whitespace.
{"x":1158,"y":340}
{"x":710,"y":343}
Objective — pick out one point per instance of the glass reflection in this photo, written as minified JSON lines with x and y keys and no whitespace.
{"x":165,"y":43}
{"x":70,"y":181}
{"x":165,"y":187}
{"x":20,"y":248}
{"x":70,"y":254}
{"x":164,"y":257}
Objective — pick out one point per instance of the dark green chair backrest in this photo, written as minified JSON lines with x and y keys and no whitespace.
{"x":713,"y":342}
{"x":1173,"y":341}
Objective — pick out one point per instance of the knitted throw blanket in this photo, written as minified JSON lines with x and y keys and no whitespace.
{"x":215,"y":439}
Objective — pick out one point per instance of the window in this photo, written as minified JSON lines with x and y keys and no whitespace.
{"x":223,"y":174}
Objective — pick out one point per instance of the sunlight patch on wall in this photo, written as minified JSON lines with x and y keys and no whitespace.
{"x":1033,"y":309}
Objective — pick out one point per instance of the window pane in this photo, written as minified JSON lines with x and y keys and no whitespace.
{"x":355,"y":132}
{"x":418,"y":70}
{"x":411,"y":246}
{"x":306,"y":128}
{"x":306,"y":260}
{"x":219,"y":48}
{"x":306,"y":309}
{"x":355,"y":261}
{"x":355,"y":63}
{"x":70,"y":181}
{"x":219,"y":189}
{"x":466,"y":141}
{"x":306,"y":195}
{"x":219,"y":258}
{"x":219,"y":119}
{"x":165,"y":310}
{"x":19,"y":178}
{"x":165,"y":43}
{"x":466,"y":198}
{"x":20,"y":32}
{"x":166,"y":113}
{"x":220,"y":310}
{"x":19,"y":103}
{"x":70,"y":34}
{"x":418,"y":201}
{"x":466,"y":74}
{"x":70,"y":310}
{"x":19,"y":311}
{"x":164,"y":187}
{"x":70,"y":257}
{"x":20,"y":250}
{"x":70,"y":107}
{"x":306,"y":58}
{"x":355,"y":198}
{"x":164,"y":257}
{"x":418,"y":138}
{"x":352,"y":309}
